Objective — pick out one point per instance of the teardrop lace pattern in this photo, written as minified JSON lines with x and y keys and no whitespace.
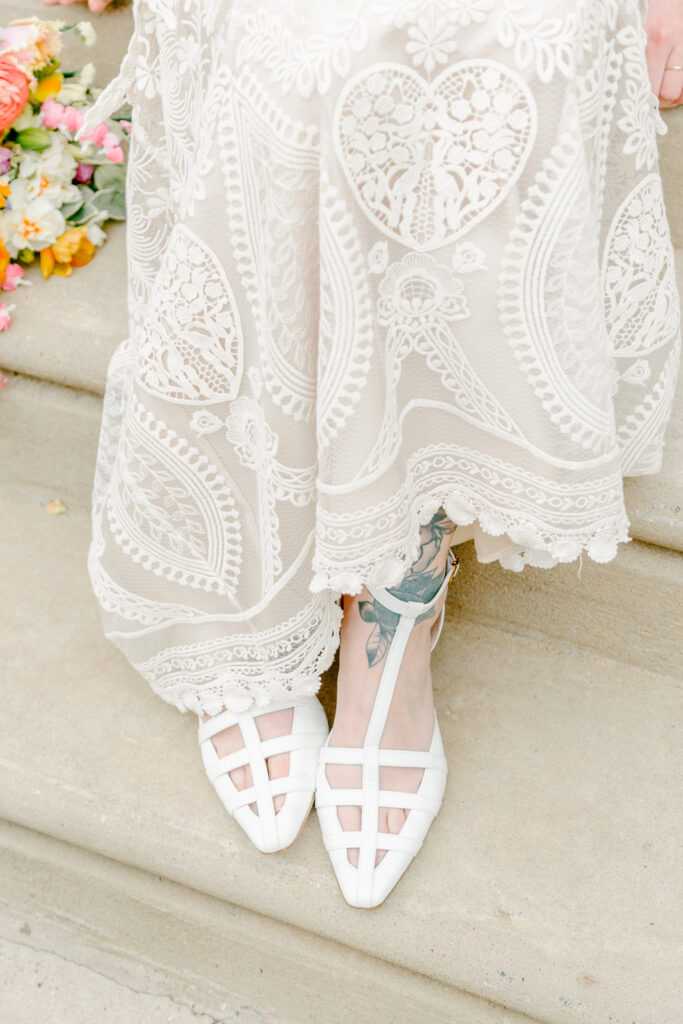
{"x":383,"y":258}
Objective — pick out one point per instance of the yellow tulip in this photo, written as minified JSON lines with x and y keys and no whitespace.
{"x":83,"y":254}
{"x":67,"y":244}
{"x":47,"y":262}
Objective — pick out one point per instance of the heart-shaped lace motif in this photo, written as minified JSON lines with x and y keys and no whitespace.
{"x":428,"y":160}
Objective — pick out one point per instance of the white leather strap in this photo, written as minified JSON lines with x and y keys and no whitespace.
{"x":387,"y":798}
{"x":342,"y":840}
{"x":386,"y":758}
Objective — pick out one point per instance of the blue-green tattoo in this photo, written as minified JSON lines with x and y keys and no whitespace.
{"x":420,"y":583}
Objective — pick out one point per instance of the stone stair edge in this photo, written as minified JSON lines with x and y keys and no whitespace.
{"x":88,"y":793}
{"x":114,"y":908}
{"x":90,"y":797}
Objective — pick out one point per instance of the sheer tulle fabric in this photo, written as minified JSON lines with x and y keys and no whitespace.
{"x":384,"y":256}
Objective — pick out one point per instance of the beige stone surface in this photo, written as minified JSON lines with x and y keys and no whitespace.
{"x":66,"y":329}
{"x":547,"y":883}
{"x":670,"y":164}
{"x":630,"y":609}
{"x":48,"y":439}
{"x":40,"y":985}
{"x":655,"y":502}
{"x":146,"y":932}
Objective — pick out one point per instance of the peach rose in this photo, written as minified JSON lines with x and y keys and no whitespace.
{"x":14,"y":88}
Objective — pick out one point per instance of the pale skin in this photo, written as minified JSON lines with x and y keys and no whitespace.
{"x":366,"y":629}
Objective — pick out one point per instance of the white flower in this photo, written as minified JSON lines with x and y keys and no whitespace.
{"x":75,"y":89}
{"x":31,"y":223}
{"x":50,"y":173}
{"x":378,"y":258}
{"x":468,"y":257}
{"x":95,"y":234}
{"x":431,"y":42}
{"x":87,"y":33}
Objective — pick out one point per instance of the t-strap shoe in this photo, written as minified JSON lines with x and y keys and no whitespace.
{"x":369,"y":884}
{"x":269,"y":830}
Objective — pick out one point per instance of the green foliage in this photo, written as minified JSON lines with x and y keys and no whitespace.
{"x":36,"y":139}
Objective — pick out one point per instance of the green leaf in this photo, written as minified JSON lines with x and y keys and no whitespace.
{"x":36,"y":139}
{"x":83,"y":216}
{"x":69,"y":209}
{"x":109,"y":176}
{"x":48,"y":69}
{"x":112,"y":201}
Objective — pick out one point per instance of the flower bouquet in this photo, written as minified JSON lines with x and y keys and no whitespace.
{"x":55,"y":192}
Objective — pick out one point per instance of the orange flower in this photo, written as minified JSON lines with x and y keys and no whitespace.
{"x":14,"y":86}
{"x":72,"y":249}
{"x":4,"y":192}
{"x":4,"y":262}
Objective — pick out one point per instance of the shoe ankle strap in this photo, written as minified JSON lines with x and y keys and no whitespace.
{"x":413,"y":609}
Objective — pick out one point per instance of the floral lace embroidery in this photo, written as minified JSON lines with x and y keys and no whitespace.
{"x":427,"y":162}
{"x":191,"y":346}
{"x":307,"y":55}
{"x":315,"y":364}
{"x":170,"y":509}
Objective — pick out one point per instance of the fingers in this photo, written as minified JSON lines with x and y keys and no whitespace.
{"x":664,"y":48}
{"x":671,"y":90}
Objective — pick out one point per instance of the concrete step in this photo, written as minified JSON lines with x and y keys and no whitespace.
{"x":629,"y":609}
{"x":147,"y":936}
{"x":545,"y":886}
{"x":56,"y":969}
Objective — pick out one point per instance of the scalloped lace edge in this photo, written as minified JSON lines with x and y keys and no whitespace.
{"x":238,"y":691}
{"x":538,"y":546}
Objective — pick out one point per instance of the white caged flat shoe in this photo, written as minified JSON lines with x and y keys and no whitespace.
{"x":269,"y":830}
{"x":368,"y":885}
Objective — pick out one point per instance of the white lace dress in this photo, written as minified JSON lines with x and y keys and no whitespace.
{"x":384,"y":256}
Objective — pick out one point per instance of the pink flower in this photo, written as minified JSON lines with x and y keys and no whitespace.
{"x":99,"y":134}
{"x":116,"y":155}
{"x":110,"y":140}
{"x":126,"y":125}
{"x":5,"y":155}
{"x":3,"y":381}
{"x":13,"y":274}
{"x":5,"y":318}
{"x":73,"y":119}
{"x":52,"y":113}
{"x":84,"y":173}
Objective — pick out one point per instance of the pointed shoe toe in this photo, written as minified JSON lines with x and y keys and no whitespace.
{"x":368,"y":885}
{"x":269,"y":830}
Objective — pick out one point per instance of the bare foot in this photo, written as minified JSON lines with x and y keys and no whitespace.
{"x":366,"y":633}
{"x":269,"y":725}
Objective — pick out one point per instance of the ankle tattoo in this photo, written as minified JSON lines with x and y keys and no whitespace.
{"x":420,"y":583}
